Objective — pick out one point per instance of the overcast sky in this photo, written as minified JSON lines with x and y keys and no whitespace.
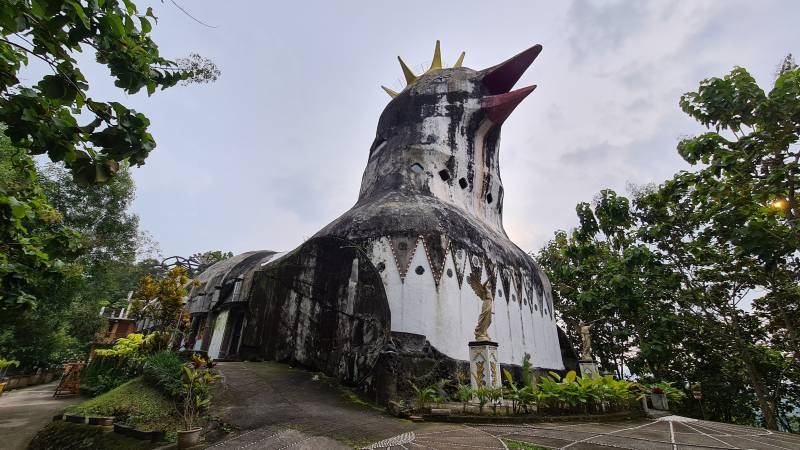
{"x":275,"y":149}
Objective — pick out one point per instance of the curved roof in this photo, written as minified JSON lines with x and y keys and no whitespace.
{"x":215,"y":285}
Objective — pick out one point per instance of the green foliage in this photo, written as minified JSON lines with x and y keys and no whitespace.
{"x":664,"y":278}
{"x":674,"y":394}
{"x":464,"y":394}
{"x":602,"y":274}
{"x":494,"y":394}
{"x":196,"y":392}
{"x":36,"y":247}
{"x":66,"y":281}
{"x":102,"y":375}
{"x":163,"y":370}
{"x":519,"y":445}
{"x":134,"y":403}
{"x":6,"y":363}
{"x":161,"y":300}
{"x":423,"y":396}
{"x":134,"y":348}
{"x":441,"y":388}
{"x":43,"y":117}
{"x":574,"y":393}
{"x":482,"y":394}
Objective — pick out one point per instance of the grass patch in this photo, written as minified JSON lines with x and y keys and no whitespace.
{"x":518,"y":445}
{"x":61,"y":435}
{"x":134,"y":403}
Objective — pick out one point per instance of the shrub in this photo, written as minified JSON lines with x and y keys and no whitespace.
{"x":423,"y":396}
{"x":103,"y":374}
{"x":673,"y":394}
{"x":5,"y":364}
{"x":464,"y":395}
{"x":196,"y":391}
{"x":134,"y":348}
{"x":163,"y":370}
{"x":495,"y":395}
{"x":134,"y":403}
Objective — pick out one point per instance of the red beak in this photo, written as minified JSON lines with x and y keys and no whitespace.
{"x":499,"y":107}
{"x":502,"y":77}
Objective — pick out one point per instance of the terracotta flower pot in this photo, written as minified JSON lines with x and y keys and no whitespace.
{"x":189,"y":438}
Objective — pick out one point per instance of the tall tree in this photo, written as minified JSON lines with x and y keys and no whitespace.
{"x":603,"y":275}
{"x":35,"y":246}
{"x":748,"y":180}
{"x":37,"y":253}
{"x":109,"y":231}
{"x":43,"y":117}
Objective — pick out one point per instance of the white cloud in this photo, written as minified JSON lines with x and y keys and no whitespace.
{"x":275,"y":149}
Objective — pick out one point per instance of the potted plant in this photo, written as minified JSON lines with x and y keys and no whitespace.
{"x":659,"y":399}
{"x":4,"y":365}
{"x":196,"y":382}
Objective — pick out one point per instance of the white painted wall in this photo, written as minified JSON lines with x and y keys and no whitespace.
{"x":218,"y":334}
{"x":447,"y":314}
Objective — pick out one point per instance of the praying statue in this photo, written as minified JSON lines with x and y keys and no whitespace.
{"x":586,"y":340}
{"x":484,"y":292}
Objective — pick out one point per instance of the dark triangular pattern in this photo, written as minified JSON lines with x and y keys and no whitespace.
{"x":460,"y":257}
{"x":403,"y":247}
{"x":506,"y":284}
{"x":548,"y":296}
{"x":529,"y":291}
{"x":491,"y":272}
{"x":436,"y":250}
{"x":540,"y":300}
{"x":516,"y":275}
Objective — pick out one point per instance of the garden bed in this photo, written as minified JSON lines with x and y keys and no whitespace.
{"x":529,"y":418}
{"x":136,"y":404}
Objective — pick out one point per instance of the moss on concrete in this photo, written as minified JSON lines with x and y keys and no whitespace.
{"x":517,"y":445}
{"x":134,"y":403}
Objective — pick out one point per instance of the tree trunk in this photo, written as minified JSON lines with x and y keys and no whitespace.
{"x":762,"y":397}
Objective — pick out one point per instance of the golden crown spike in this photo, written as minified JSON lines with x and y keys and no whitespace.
{"x":436,"y":64}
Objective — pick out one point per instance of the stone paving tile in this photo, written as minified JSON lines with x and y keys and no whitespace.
{"x":635,"y":444}
{"x":749,"y":442}
{"x":590,"y":446}
{"x":633,"y":435}
{"x":775,"y":440}
{"x":539,"y":440}
{"x":787,"y":438}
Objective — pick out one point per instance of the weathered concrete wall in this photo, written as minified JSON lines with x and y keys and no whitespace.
{"x":430,"y":213}
{"x":321,"y":306}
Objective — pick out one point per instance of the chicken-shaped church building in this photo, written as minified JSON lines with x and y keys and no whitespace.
{"x":383,"y":293}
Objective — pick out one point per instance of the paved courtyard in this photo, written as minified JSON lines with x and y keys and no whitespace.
{"x":276,"y":407}
{"x":669,"y":433}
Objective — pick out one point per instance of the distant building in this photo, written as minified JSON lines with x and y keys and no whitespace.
{"x":119,"y":326}
{"x":216,"y":305}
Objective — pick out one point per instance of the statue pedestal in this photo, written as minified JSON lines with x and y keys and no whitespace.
{"x":588,"y":367}
{"x":483,"y":367}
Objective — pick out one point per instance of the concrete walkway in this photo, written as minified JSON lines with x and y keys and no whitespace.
{"x":25,"y":411}
{"x":276,"y":407}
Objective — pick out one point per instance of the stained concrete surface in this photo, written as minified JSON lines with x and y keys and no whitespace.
{"x":23,"y":412}
{"x":277,"y":407}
